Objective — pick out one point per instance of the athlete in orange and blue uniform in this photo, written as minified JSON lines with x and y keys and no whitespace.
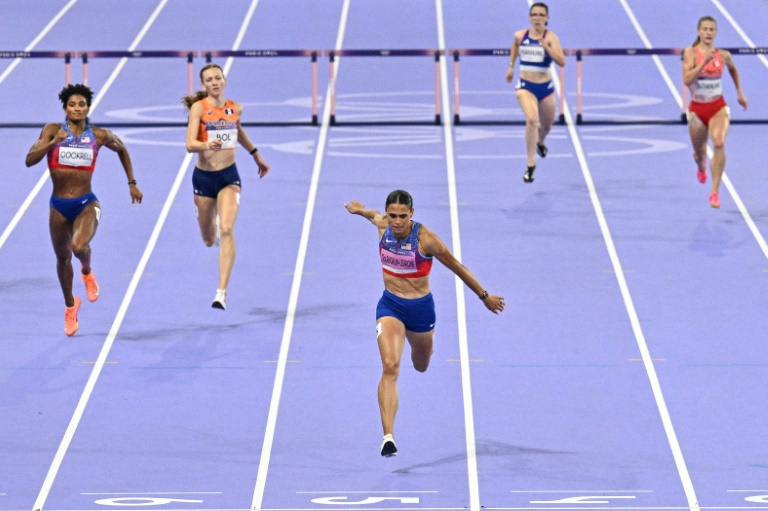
{"x":213,"y":132}
{"x":406,"y":310}
{"x":71,"y":148}
{"x":709,"y":116}
{"x":217,"y":123}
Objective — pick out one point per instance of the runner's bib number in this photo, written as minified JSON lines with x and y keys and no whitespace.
{"x":75,"y":157}
{"x":228,"y":137}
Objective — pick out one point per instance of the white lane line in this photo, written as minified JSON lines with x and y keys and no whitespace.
{"x":277,"y":389}
{"x":461,"y":310}
{"x":40,"y":182}
{"x":37,"y":39}
{"x":650,"y":369}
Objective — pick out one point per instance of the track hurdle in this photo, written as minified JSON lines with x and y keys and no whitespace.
{"x":332,"y":54}
{"x":313,"y":54}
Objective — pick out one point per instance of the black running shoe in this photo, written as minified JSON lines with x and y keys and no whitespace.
{"x":541,"y":149}
{"x":388,"y":447}
{"x":528,"y":176}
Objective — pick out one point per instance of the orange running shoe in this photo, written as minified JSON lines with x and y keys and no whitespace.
{"x":70,"y":318}
{"x":91,"y":286}
{"x":714,"y":200}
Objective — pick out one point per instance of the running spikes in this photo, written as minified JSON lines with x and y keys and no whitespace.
{"x":528,"y":176}
{"x":388,"y":447}
{"x":70,"y":318}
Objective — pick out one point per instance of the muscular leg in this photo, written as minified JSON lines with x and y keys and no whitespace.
{"x":391,"y":340}
{"x":228,"y":204}
{"x":547,"y":111}
{"x":718,"y":129}
{"x":421,"y":348}
{"x":61,"y":236}
{"x":530,"y":107}
{"x":698,"y":132}
{"x":83,"y":231}
{"x":206,"y":218}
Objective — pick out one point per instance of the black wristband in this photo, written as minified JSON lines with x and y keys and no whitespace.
{"x":484,"y":295}
{"x":254,"y":150}
{"x":132,"y":182}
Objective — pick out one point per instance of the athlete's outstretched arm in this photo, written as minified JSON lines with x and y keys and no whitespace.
{"x":376,"y":218}
{"x":435,"y":247}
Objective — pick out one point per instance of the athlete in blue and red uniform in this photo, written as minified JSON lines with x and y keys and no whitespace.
{"x":213,"y":132}
{"x":71,"y":148}
{"x":537,"y":48}
{"x":708,"y":115}
{"x":406,"y":310}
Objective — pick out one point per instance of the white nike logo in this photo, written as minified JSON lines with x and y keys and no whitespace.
{"x":83,"y":202}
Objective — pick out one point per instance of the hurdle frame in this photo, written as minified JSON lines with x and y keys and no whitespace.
{"x":332,"y":56}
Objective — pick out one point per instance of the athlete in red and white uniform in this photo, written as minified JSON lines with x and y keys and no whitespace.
{"x":406,"y":309}
{"x":708,"y":115}
{"x":71,"y":148}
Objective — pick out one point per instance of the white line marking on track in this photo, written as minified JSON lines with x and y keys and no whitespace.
{"x":461,"y":310}
{"x":628,"y":303}
{"x":269,"y":433}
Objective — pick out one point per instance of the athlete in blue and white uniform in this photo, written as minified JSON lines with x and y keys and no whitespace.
{"x":71,"y":148}
{"x":406,"y":310}
{"x":537,"y":48}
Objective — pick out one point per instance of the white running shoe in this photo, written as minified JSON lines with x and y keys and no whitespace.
{"x":220,"y":302}
{"x":388,"y":447}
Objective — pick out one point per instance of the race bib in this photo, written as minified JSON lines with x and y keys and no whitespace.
{"x":228,"y":137}
{"x":533,"y":54}
{"x":709,"y":88}
{"x":75,"y":156}
{"x":398,"y":263}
